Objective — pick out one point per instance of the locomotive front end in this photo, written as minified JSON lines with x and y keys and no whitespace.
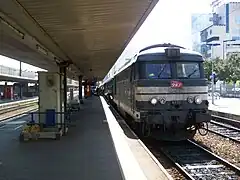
{"x":171,"y":94}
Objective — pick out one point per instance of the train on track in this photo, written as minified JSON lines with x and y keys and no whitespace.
{"x":162,"y":89}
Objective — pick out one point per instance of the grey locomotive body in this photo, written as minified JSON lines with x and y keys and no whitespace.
{"x":163,"y":90}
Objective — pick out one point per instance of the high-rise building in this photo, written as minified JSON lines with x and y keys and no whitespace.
{"x":215,"y":4}
{"x":199,"y":22}
{"x":225,"y":30}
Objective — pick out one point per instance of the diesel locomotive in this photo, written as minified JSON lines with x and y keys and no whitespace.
{"x":163,"y":90}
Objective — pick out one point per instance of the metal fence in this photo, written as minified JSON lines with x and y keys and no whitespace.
{"x":16,"y":72}
{"x":226,"y":90}
{"x":28,"y":74}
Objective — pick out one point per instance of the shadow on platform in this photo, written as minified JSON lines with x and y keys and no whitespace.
{"x":86,"y":152}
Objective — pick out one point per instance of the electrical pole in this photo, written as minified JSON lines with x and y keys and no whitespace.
{"x":20,"y":70}
{"x":213,"y":74}
{"x":212,"y":79}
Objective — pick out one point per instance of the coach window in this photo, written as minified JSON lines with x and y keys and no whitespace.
{"x":127,"y":74}
{"x":158,"y":71}
{"x":114,"y":86}
{"x":188,"y":70}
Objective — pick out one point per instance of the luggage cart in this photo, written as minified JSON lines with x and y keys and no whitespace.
{"x":47,"y":130}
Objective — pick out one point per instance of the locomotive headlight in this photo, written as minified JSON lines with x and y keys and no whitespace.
{"x":190,"y":100}
{"x":197,"y":100}
{"x":153,"y":101}
{"x":162,"y":100}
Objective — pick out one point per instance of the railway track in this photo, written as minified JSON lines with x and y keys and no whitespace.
{"x":9,"y":110}
{"x":224,"y":130}
{"x":16,"y":113}
{"x":191,"y":160}
{"x":18,"y":108}
{"x":196,"y":162}
{"x":9,"y":107}
{"x":225,"y":120}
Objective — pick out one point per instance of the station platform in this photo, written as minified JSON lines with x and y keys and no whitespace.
{"x":94,"y":149}
{"x":2,"y":101}
{"x":226,"y":107}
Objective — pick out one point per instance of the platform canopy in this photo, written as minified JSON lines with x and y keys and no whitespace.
{"x":90,"y":34}
{"x":10,"y":78}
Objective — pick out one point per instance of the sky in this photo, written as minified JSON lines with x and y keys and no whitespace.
{"x":5,"y":61}
{"x":170,"y":21}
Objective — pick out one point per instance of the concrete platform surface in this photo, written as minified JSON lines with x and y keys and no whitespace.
{"x":86,"y":153}
{"x":225,"y":105}
{"x":136,"y":161}
{"x":149,"y":164}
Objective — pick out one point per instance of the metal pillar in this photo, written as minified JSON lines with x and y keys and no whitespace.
{"x":64,"y":74}
{"x":71,"y":94}
{"x":212,"y":79}
{"x":212,"y":45}
{"x":4,"y":91}
{"x":65,"y":88}
{"x":63,"y":71}
{"x":20,"y":71}
{"x":80,"y":89}
{"x":20,"y":90}
{"x":36,"y":89}
{"x":26,"y":84}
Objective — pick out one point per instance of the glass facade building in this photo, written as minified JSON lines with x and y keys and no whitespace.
{"x":199,"y":22}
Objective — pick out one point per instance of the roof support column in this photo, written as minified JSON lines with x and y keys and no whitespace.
{"x":63,"y":87}
{"x":20,"y":90}
{"x":80,"y":78}
{"x":5,"y":90}
{"x":51,"y":113}
{"x":20,"y":69}
{"x":36,"y":89}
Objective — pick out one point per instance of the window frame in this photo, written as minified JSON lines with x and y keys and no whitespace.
{"x":143,"y":69}
{"x":188,"y":62}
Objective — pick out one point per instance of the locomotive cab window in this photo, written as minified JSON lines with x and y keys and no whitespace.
{"x":158,"y":71}
{"x":188,"y":70}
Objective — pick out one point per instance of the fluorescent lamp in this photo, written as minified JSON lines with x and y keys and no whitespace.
{"x":57,"y":60}
{"x":41,"y":49}
{"x":21,"y":34}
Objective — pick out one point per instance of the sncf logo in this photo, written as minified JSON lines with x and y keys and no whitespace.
{"x":176,"y":84}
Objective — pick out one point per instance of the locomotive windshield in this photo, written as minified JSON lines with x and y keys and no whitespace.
{"x":188,"y":70}
{"x":170,"y":70}
{"x":158,"y":71}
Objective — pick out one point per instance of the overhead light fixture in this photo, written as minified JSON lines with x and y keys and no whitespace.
{"x":17,"y":31}
{"x":57,"y":60}
{"x":41,"y":49}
